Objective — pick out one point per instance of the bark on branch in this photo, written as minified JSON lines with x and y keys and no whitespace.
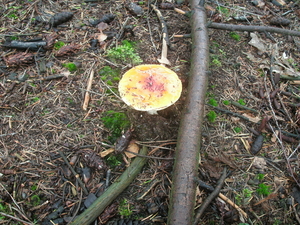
{"x":188,"y":143}
{"x":249,"y":28}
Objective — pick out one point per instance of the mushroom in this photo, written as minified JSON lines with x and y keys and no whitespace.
{"x":150,"y":88}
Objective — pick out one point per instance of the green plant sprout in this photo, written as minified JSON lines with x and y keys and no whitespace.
{"x":116,"y":122}
{"x":124,"y":53}
{"x":211,"y":116}
{"x":264,"y":189}
{"x":70,"y":66}
{"x":235,"y":36}
{"x":213,"y":102}
{"x":124,"y":208}
{"x":242,"y":102}
{"x":215,"y":61}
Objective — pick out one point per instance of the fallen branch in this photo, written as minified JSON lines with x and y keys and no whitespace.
{"x":91,"y":213}
{"x":181,"y":209}
{"x":250,"y":28}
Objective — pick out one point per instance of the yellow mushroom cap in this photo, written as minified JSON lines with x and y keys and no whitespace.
{"x":150,"y":87}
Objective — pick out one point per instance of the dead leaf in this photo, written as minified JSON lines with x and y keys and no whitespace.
{"x":107,"y":152}
{"x":132,"y":147}
{"x":101,"y":37}
{"x":102,"y":26}
{"x":259,"y":163}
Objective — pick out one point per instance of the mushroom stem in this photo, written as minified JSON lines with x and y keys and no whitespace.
{"x":152,"y":112}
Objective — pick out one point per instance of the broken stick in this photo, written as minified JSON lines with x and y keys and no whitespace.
{"x":87,"y":94}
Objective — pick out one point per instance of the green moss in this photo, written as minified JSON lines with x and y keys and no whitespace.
{"x":213,"y":102}
{"x":235,"y":36}
{"x":264,"y":189}
{"x":237,"y":129}
{"x":109,"y":75}
{"x":124,"y":53}
{"x":116,"y":122}
{"x":58,"y":45}
{"x":70,"y":66}
{"x":211,"y":116}
{"x":226,"y":102}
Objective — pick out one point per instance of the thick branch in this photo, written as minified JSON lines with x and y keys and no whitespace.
{"x":187,"y":155}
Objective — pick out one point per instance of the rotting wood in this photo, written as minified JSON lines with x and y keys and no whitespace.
{"x":91,"y":213}
{"x":182,"y":202}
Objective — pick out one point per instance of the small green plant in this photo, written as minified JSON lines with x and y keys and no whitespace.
{"x":124,"y":53}
{"x":215,"y":61}
{"x":244,"y":197}
{"x":264,"y":189}
{"x":260,"y":176}
{"x":226,"y":102}
{"x":237,"y":129}
{"x":235,"y":36}
{"x":114,"y":160}
{"x":116,"y":122}
{"x":223,"y":10}
{"x":35,"y":200}
{"x":211,"y":116}
{"x":125,"y":208}
{"x":242,"y":102}
{"x":58,"y":45}
{"x":213,"y":102}
{"x":70,"y":66}
{"x":3,"y":208}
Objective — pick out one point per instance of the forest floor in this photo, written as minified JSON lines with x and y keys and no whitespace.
{"x":251,"y":123}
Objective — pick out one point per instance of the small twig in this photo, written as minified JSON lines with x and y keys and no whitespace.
{"x":3,"y":135}
{"x":77,"y":210}
{"x":215,"y":192}
{"x":87,"y":93}
{"x":74,"y":173}
{"x":149,"y":157}
{"x":165,"y":40}
{"x":15,"y":218}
